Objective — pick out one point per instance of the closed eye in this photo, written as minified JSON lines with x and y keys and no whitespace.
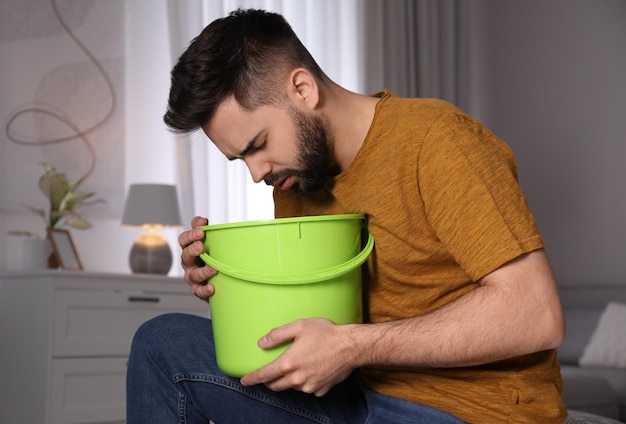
{"x":261,"y":145}
{"x":252,"y":145}
{"x":252,"y":149}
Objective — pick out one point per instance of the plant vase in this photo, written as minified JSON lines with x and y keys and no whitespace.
{"x":36,"y":253}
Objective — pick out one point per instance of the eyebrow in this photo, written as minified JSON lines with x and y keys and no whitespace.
{"x":244,"y":152}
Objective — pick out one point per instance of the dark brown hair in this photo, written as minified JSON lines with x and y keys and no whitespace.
{"x":247,"y":55}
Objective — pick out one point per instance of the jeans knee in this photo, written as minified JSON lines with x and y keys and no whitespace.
{"x":168,"y":331}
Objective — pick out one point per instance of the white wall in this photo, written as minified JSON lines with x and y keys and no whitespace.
{"x":549,"y":77}
{"x":47,"y":68}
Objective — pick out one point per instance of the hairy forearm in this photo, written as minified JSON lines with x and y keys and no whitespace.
{"x":515,"y":311}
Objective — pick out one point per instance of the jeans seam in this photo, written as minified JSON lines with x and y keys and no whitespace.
{"x":182,"y":399}
{"x":252,"y":394}
{"x":182,"y":412}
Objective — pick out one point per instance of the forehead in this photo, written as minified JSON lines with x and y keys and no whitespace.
{"x":228,"y":121}
{"x":232,"y":127}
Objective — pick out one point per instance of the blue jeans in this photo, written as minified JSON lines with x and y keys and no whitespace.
{"x":173,"y":378}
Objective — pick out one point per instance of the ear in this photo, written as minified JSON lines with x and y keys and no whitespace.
{"x":303,"y":88}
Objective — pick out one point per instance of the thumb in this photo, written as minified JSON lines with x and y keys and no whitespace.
{"x":276,"y":336}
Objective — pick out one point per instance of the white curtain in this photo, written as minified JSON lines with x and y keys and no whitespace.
{"x":209,"y":184}
{"x":418,"y":48}
{"x":413,"y":47}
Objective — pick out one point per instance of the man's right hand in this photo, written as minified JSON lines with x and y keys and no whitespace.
{"x":196,"y":272}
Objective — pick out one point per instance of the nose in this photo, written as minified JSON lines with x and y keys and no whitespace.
{"x":258,"y":169}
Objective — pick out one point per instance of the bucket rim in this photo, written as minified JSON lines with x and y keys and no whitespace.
{"x":292,"y":279}
{"x":279,"y":221}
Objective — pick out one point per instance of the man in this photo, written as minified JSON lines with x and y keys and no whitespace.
{"x":463,"y":314}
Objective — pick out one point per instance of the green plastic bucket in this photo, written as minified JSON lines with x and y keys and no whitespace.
{"x":276,"y":271}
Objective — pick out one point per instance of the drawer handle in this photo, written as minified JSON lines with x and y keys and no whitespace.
{"x":147,"y":299}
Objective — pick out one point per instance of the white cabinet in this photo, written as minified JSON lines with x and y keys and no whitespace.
{"x":65,"y":338}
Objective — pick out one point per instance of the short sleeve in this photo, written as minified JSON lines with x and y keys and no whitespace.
{"x":469,"y":185}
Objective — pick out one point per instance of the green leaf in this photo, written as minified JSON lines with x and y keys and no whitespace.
{"x":78,"y":222}
{"x":89,"y":203}
{"x":73,"y":200}
{"x":54,"y":186}
{"x":55,"y":218}
{"x":40,"y":212}
{"x":23,"y":234}
{"x":62,"y":200}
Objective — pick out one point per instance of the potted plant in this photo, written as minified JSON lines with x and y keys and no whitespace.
{"x":63,"y":202}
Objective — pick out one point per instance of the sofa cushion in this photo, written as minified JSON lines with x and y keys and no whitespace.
{"x":591,"y":394}
{"x":579,"y":326}
{"x":579,"y":417}
{"x":615,"y":377}
{"x":607,"y":346}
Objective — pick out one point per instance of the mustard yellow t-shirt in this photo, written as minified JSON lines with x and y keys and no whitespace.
{"x":442,"y":199}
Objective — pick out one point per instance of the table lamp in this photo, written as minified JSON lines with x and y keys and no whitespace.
{"x":151,"y":206}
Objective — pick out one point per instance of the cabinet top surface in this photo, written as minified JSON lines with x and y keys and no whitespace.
{"x":83,"y":275}
{"x":85,"y":279}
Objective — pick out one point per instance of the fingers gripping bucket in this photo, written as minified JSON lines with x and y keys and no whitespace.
{"x":273,"y":272}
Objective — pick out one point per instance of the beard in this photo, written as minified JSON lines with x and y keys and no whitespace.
{"x":313,"y":155}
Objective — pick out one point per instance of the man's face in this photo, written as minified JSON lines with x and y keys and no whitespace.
{"x":284,"y":147}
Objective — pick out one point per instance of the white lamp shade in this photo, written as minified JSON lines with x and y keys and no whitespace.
{"x":151,"y":205}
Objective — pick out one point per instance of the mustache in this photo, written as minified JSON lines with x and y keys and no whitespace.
{"x":277,"y":176}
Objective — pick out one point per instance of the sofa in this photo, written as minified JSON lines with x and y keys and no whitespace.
{"x":593,"y":354}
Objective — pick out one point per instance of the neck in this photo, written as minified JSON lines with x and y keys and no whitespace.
{"x":349,"y":116}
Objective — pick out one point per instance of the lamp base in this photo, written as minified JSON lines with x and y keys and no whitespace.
{"x":150,"y":254}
